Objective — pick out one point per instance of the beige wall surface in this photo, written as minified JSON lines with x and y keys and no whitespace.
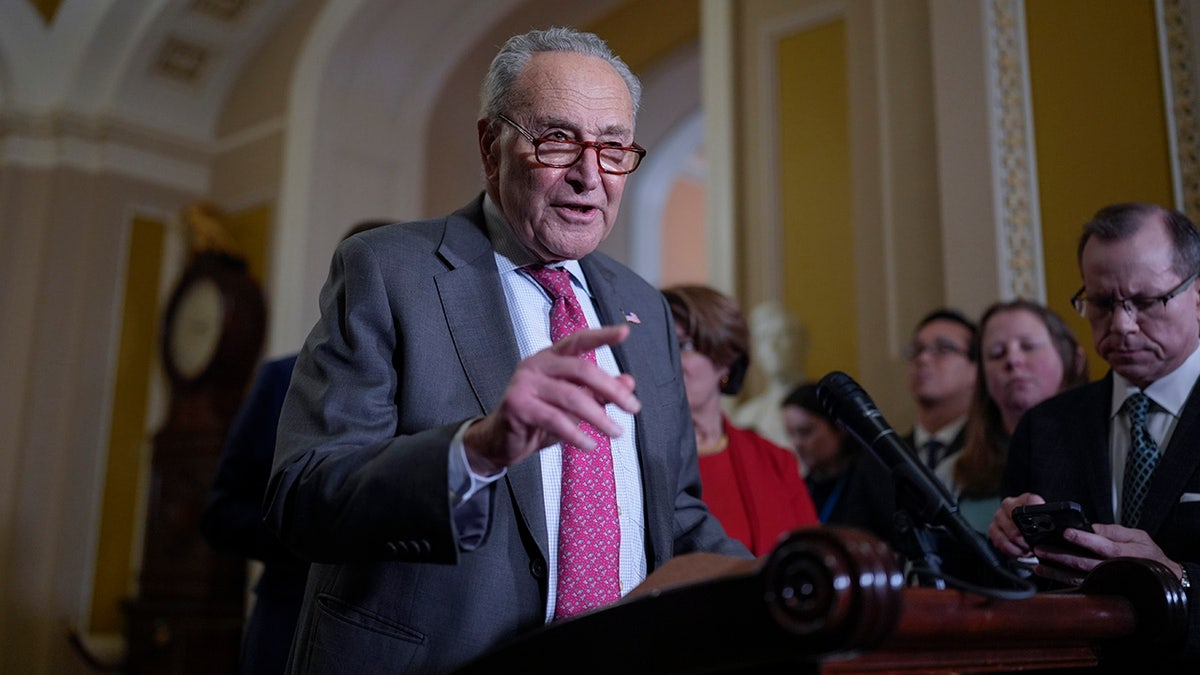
{"x":60,"y":364}
{"x":891,"y":271}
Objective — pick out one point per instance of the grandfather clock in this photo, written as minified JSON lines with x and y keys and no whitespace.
{"x":187,"y":617}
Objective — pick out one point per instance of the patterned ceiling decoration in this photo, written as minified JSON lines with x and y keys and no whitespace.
{"x":182,"y":60}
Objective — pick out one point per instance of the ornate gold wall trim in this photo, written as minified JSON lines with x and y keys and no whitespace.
{"x":1179,"y":92}
{"x":1017,"y":208}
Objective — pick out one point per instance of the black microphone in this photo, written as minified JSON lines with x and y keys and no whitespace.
{"x":918,"y":490}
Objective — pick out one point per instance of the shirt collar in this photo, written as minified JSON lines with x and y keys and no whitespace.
{"x":1169,"y":392}
{"x":511,"y":254}
{"x":946,"y":434}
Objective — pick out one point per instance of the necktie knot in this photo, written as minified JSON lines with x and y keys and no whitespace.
{"x":556,"y":280}
{"x":1137,"y":405}
{"x":566,"y":315}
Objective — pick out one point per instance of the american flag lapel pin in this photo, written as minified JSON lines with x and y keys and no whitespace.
{"x":632,"y":317}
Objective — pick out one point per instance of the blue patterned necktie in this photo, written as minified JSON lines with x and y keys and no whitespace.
{"x":1140,"y":463}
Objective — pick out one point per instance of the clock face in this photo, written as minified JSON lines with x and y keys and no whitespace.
{"x":195,"y":330}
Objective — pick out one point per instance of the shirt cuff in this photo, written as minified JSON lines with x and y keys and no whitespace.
{"x":465,"y":483}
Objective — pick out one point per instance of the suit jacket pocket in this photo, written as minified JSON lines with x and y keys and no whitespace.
{"x":1179,"y":536}
{"x":348,"y":639}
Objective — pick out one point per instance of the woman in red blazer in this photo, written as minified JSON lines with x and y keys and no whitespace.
{"x":750,"y":484}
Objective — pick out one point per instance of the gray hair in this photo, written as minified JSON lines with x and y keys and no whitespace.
{"x":496,"y":94}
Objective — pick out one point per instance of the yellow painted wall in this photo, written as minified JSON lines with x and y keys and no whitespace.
{"x":814,"y":188}
{"x":127,"y":438}
{"x":251,"y":229}
{"x":1099,"y":126}
{"x":642,"y":32}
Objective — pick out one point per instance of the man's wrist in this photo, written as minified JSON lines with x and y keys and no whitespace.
{"x":465,"y":481}
{"x":474,"y":436}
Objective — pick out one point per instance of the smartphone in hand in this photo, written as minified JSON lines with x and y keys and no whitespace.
{"x":1042,"y":525}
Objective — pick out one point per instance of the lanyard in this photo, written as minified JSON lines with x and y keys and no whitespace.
{"x":831,"y":501}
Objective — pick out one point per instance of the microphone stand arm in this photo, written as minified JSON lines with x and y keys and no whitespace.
{"x":917,"y":539}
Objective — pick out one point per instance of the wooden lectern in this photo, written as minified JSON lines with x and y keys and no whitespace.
{"x":833,"y":600}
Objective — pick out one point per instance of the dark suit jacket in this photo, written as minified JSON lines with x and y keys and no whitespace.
{"x":1060,"y":451}
{"x":875,"y":487}
{"x":415,"y":338}
{"x":867,"y":498}
{"x":232,"y":521}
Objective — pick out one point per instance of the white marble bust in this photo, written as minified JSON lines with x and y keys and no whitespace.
{"x":778,"y":348}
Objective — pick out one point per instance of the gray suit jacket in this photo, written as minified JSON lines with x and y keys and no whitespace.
{"x":415,"y":338}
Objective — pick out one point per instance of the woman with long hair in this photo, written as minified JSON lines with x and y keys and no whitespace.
{"x":1026,"y":355}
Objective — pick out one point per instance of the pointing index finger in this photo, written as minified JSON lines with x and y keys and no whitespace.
{"x":585,"y":341}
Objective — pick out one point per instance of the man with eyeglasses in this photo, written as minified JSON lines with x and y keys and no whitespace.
{"x":1126,"y":448}
{"x":462,"y":452}
{"x":941,"y":376}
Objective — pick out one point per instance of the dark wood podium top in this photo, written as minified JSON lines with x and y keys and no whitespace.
{"x":832,"y":600}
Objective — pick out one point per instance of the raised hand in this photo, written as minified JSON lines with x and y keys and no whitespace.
{"x":547,"y":397}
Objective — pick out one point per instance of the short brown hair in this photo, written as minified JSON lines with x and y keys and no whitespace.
{"x":716,"y":326}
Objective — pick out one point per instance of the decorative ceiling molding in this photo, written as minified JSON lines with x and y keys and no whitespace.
{"x":107,"y":145}
{"x":182,"y":60}
{"x":1018,"y":211}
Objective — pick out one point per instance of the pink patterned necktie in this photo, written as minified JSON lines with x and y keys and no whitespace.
{"x":589,"y":535}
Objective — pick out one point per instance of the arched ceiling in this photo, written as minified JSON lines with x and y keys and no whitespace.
{"x":161,"y":65}
{"x":141,"y":87}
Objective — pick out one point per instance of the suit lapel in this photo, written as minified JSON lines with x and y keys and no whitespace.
{"x":612,"y":306}
{"x":1176,"y":467}
{"x":477,"y":316}
{"x":633,"y":357}
{"x":476,"y":312}
{"x":1094,"y":445}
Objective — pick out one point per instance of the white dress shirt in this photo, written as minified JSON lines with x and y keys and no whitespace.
{"x":529,"y":307}
{"x":1167,"y":396}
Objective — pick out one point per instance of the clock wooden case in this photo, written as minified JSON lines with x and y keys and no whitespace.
{"x":214,"y":324}
{"x":187,"y":617}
